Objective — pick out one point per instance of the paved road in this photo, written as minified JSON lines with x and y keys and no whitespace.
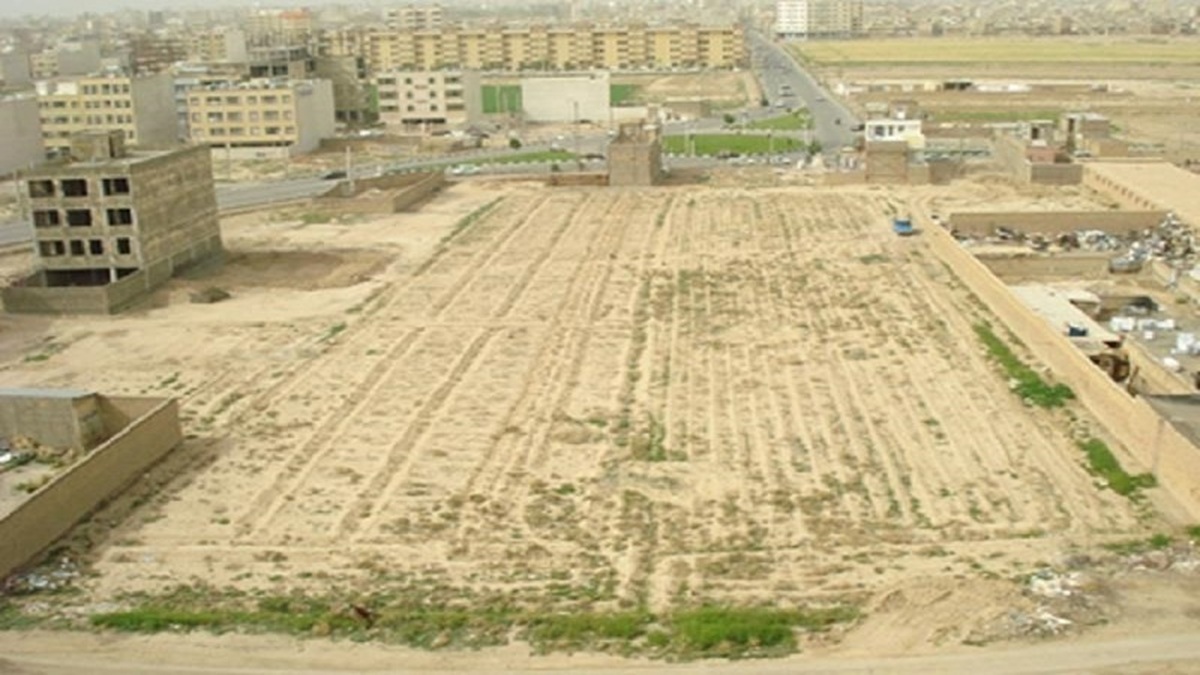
{"x":780,"y":72}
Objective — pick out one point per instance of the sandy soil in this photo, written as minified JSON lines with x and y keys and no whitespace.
{"x":673,"y":395}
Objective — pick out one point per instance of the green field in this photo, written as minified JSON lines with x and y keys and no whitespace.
{"x":997,"y":50}
{"x":712,"y":144}
{"x":619,"y":94}
{"x":501,"y":98}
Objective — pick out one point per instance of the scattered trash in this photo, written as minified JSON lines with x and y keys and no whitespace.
{"x":45,"y":578}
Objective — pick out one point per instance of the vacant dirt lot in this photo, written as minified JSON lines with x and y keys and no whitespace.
{"x":1146,"y":86}
{"x":650,"y":396}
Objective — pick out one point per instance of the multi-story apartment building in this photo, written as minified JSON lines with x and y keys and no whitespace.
{"x":142,"y":108}
{"x":558,"y":48}
{"x":414,"y":17}
{"x":225,"y":45}
{"x":20,"y":133}
{"x":115,"y":219}
{"x":279,"y":26}
{"x":818,"y":18}
{"x":295,"y":114}
{"x":154,"y":54}
{"x":421,"y":99}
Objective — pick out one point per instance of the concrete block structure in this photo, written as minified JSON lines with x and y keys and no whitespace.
{"x":133,"y":433}
{"x":573,"y":98}
{"x":59,"y":418}
{"x":109,"y":226}
{"x":635,"y":156}
{"x":421,"y":100}
{"x":292,"y":114}
{"x":141,"y":108}
{"x":20,"y":134}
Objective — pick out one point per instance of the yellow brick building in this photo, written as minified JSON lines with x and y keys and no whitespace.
{"x":557,"y":48}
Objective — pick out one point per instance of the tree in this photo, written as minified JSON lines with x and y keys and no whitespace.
{"x":729,"y":118}
{"x":514,"y":143}
{"x":814,"y":147}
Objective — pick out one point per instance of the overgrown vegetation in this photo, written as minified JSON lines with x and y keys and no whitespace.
{"x":793,"y":121}
{"x":623,"y":94}
{"x":1029,"y":385}
{"x":1103,"y":463}
{"x":469,"y":219}
{"x":708,"y":631}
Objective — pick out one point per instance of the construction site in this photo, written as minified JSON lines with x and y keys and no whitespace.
{"x":938,"y":416}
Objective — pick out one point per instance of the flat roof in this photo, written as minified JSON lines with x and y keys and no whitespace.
{"x":1168,"y":186}
{"x":1182,"y":411}
{"x":45,"y":393}
{"x":1054,"y":305}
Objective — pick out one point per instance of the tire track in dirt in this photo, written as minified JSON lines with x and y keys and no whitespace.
{"x":363,"y":520}
{"x":334,"y":372}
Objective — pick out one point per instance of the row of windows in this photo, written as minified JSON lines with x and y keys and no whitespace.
{"x":59,"y":104}
{"x":266,"y":99}
{"x":241,"y":131}
{"x":89,"y":119}
{"x":55,"y":248}
{"x":236,"y":116}
{"x":94,"y":89}
{"x":76,"y":187}
{"x":80,"y":217}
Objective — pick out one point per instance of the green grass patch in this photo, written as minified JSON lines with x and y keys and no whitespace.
{"x":619,"y":94}
{"x":794,"y":121}
{"x":501,"y":98}
{"x":1029,"y":385}
{"x":432,"y":620}
{"x":714,"y":144}
{"x":733,"y":632}
{"x":1155,"y":542}
{"x":1103,"y":463}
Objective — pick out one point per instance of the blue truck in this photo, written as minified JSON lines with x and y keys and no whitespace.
{"x":902,"y":226}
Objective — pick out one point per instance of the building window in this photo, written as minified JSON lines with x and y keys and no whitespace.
{"x":74,"y":187}
{"x":51,"y":249}
{"x":253,"y":115}
{"x":115,"y":185}
{"x":215,"y":117}
{"x":46,"y":219}
{"x":96,"y":246}
{"x":237,"y":131}
{"x":79,"y":217}
{"x":252,"y":100}
{"x":120,"y":217}
{"x":233,"y":100}
{"x":269,"y":100}
{"x":233,"y":116}
{"x":272,"y":131}
{"x":77,"y":247}
{"x":212,"y":100}
{"x":124,"y":247}
{"x":41,"y":188}
{"x":271,"y":116}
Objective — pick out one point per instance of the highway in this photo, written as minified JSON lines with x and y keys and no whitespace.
{"x":833,"y":122}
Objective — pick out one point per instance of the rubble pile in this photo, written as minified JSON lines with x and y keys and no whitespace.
{"x":1171,"y":240}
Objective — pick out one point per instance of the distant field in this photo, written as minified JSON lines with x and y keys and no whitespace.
{"x":1002,"y":50}
{"x":504,"y":98}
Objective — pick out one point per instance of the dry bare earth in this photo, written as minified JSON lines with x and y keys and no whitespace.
{"x":657,"y":396}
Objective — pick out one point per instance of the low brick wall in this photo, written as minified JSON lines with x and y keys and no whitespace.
{"x":32,"y":296}
{"x":984,"y":223}
{"x":396,"y":193}
{"x":1012,"y":268}
{"x":1146,"y":440}
{"x":150,"y":431}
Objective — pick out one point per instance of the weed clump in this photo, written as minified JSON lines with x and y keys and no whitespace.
{"x":1029,"y":385}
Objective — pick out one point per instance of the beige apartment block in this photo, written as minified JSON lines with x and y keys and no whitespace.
{"x":558,"y":48}
{"x":142,"y":108}
{"x":292,"y":114}
{"x":111,"y":224}
{"x":421,"y":99}
{"x":223,"y":45}
{"x":414,"y":17}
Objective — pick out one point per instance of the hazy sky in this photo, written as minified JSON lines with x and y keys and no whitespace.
{"x":11,"y":8}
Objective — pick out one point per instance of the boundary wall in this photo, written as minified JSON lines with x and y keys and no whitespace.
{"x":1144,"y":434}
{"x":984,"y":223}
{"x":146,"y":430}
{"x":397,"y":192}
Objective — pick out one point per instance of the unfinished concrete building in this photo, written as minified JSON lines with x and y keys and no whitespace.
{"x":111,"y":225}
{"x":635,"y":156}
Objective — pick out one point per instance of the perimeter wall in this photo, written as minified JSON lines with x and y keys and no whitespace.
{"x":149,"y":429}
{"x":1144,"y":435}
